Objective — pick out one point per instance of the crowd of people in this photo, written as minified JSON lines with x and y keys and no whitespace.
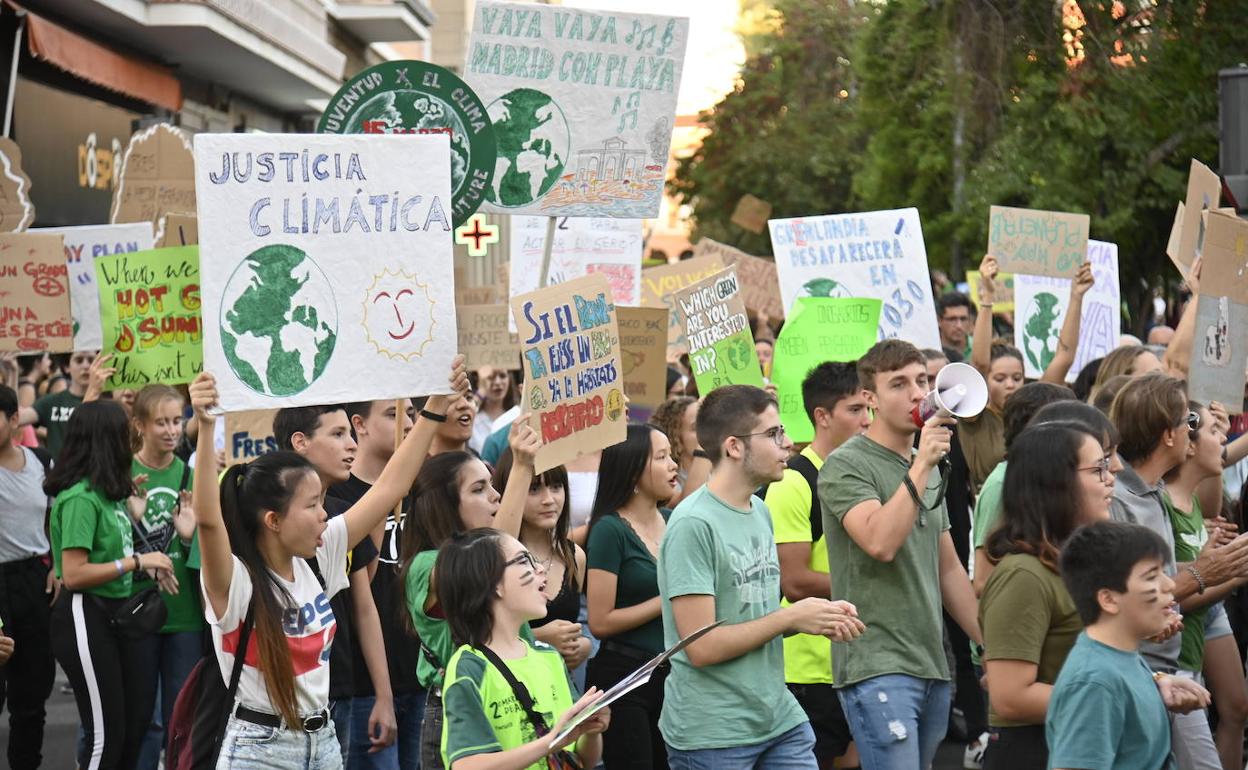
{"x":395,"y":587}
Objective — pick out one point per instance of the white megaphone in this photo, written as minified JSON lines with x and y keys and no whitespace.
{"x":959,"y":391}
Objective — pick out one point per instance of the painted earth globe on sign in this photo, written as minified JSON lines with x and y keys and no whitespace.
{"x":1040,"y":330}
{"x":533,"y":140}
{"x":825,"y":287}
{"x":415,"y":112}
{"x":279,"y":321}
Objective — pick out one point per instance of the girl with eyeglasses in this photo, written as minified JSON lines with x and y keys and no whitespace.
{"x":504,"y":698}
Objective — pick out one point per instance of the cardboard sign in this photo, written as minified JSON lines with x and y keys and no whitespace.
{"x":1224,"y":267}
{"x":249,"y":435}
{"x":149,"y":312}
{"x":83,"y":245}
{"x":1219,"y":352}
{"x":1204,"y":193}
{"x":751,"y":214}
{"x":819,"y":329}
{"x":483,"y":337}
{"x":1042,"y":303}
{"x":643,"y":352}
{"x":157,"y":177}
{"x":17,"y":211}
{"x":721,"y":346}
{"x":328,"y":274}
{"x":760,"y":285}
{"x":657,"y":286}
{"x":1003,"y":302}
{"x":573,"y":383}
{"x":34,"y":294}
{"x":583,"y":105}
{"x":180,"y":230}
{"x":877,"y":254}
{"x":1036,"y":242}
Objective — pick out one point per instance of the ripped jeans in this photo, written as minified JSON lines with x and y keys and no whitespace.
{"x":898,"y":721}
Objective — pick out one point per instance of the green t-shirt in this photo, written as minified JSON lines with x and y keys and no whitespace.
{"x":988,"y":505}
{"x":1190,"y":536}
{"x":83,"y":518}
{"x":716,"y":550}
{"x":614,"y":547}
{"x":186,"y":613}
{"x":807,"y":658}
{"x":1027,"y":614}
{"x":899,"y":601}
{"x":1106,"y":713}
{"x":54,"y":412}
{"x":480,"y":712}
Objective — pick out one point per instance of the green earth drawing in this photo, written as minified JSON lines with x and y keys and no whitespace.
{"x":279,"y":321}
{"x":741,"y":354}
{"x":825,"y":287}
{"x":403,"y":111}
{"x":533,"y":142}
{"x":1040,"y":332}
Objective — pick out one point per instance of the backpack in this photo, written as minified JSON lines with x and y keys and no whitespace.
{"x":802,"y":464}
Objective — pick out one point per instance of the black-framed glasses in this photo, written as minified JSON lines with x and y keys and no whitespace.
{"x":1101,"y":467}
{"x":776,"y":434}
{"x":524,"y":557}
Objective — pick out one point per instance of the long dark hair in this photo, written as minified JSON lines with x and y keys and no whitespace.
{"x":619,"y":471}
{"x":1040,"y":499}
{"x":249,"y":490}
{"x":557,"y":476}
{"x":470,"y":566}
{"x":96,"y":448}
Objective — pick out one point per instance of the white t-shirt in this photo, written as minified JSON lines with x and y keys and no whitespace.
{"x":309,"y":626}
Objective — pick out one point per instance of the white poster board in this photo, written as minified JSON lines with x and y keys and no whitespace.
{"x":583,"y":105}
{"x":82,"y":246}
{"x":326,"y":265}
{"x":877,"y":254}
{"x":1040,"y":310}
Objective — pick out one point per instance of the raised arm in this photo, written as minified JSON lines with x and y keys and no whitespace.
{"x":1178,"y":356}
{"x":981,"y":345}
{"x":216,"y":559}
{"x":397,"y":477}
{"x":524,"y":443}
{"x":1068,"y":340}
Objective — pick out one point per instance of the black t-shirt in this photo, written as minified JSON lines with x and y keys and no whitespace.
{"x":343,"y":672}
{"x":402,"y":646}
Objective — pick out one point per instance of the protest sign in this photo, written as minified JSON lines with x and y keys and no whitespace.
{"x":877,"y":254}
{"x":1033,"y":242}
{"x":415,"y":97}
{"x":180,"y":230}
{"x":17,"y":211}
{"x":658,"y":284}
{"x":83,"y":245}
{"x":818,"y":329}
{"x":149,"y":313}
{"x":572,"y":371}
{"x":249,"y":435}
{"x":643,"y":353}
{"x":721,"y":346}
{"x":583,"y":105}
{"x":1219,"y":352}
{"x":1043,"y":300}
{"x":157,"y":177}
{"x":760,"y":286}
{"x":751,"y":214}
{"x":483,"y":337}
{"x":1204,"y":193}
{"x":1003,"y":302}
{"x":34,"y":294}
{"x":327,"y":274}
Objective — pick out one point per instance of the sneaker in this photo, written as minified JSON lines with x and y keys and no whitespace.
{"x":973,"y":759}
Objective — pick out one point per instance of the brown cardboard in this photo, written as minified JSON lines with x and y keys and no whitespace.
{"x":34,"y":294}
{"x":17,"y":210}
{"x":1172,"y":243}
{"x":1224,"y":263}
{"x":760,"y":285}
{"x":1034,"y":242}
{"x":157,"y":178}
{"x":248,"y":435}
{"x":657,"y":285}
{"x":751,"y":213}
{"x":180,"y":230}
{"x":643,"y":351}
{"x":1204,"y":191}
{"x":483,"y":337}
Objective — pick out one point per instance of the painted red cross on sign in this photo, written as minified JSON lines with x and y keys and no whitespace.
{"x":476,"y":235}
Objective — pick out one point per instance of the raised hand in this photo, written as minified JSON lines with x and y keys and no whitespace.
{"x":1084,"y":280}
{"x":204,"y":397}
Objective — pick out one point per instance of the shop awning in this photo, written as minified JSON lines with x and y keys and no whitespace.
{"x":98,"y":64}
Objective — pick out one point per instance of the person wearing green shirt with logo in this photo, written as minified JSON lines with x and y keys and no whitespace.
{"x":93,"y":554}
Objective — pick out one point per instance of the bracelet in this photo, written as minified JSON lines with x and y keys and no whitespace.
{"x":1200,"y":581}
{"x":701,"y":453}
{"x":428,"y":415}
{"x":121,"y":569}
{"x":138,"y":565}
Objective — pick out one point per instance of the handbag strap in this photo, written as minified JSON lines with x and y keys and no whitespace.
{"x":241,"y":655}
{"x":521,"y":692}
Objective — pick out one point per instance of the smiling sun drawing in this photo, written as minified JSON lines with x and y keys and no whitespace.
{"x":398,"y":315}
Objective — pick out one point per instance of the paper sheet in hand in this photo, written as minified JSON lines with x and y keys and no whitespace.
{"x":632,"y":681}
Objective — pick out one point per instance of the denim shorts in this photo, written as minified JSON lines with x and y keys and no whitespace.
{"x":250,"y":746}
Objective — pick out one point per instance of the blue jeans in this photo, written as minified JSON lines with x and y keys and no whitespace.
{"x":792,"y":750}
{"x":252,"y":747}
{"x":898,"y":721}
{"x":404,"y":753}
{"x":177,"y":655}
{"x":340,"y":712}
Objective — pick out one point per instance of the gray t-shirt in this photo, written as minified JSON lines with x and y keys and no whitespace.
{"x":899,"y":601}
{"x":1135,"y":502}
{"x":23,"y":507}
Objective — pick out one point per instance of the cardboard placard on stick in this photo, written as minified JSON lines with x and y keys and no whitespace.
{"x":1204,"y":193}
{"x":1033,"y":242}
{"x":17,"y":210}
{"x":721,"y":346}
{"x":760,"y":284}
{"x":484,"y":339}
{"x":1219,"y":348}
{"x":573,"y":383}
{"x":1172,"y":243}
{"x":1224,"y":263}
{"x":34,"y":294}
{"x":643,"y":352}
{"x":751,"y":213}
{"x":157,"y":178}
{"x":180,"y":230}
{"x":658,"y":285}
{"x":249,"y":435}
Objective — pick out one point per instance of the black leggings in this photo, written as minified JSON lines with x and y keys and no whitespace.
{"x":633,"y":741}
{"x":113,"y":680}
{"x":28,"y":676}
{"x":1016,"y":748}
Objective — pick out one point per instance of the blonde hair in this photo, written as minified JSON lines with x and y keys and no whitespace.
{"x":145,"y":404}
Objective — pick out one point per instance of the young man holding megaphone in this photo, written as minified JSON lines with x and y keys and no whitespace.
{"x":891,"y":555}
